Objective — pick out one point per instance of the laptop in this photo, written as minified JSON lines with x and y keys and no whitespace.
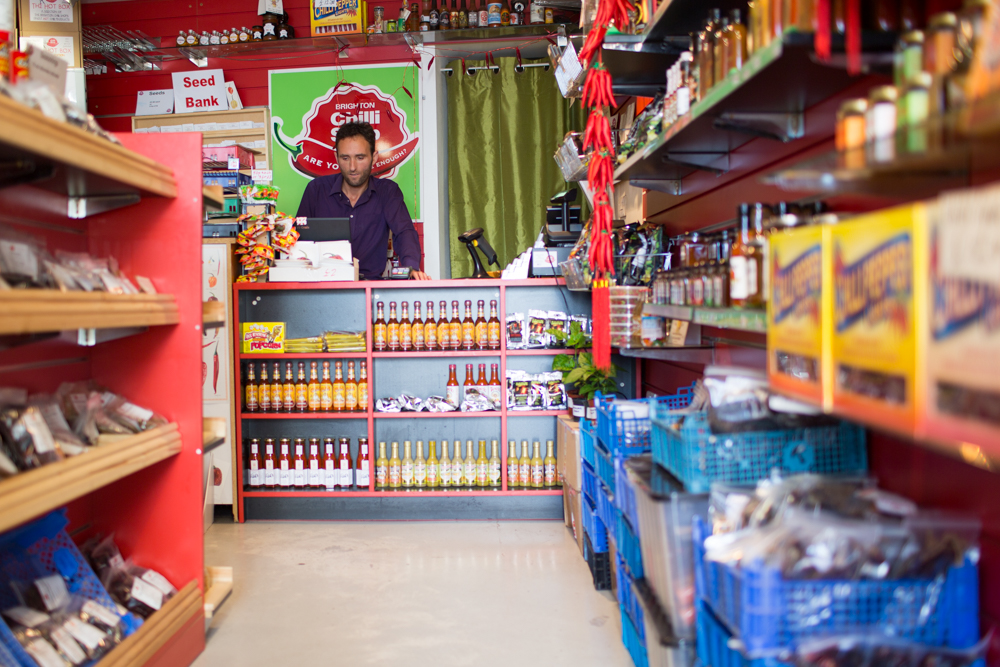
{"x":325,"y":229}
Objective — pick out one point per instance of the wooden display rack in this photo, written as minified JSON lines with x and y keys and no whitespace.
{"x":249,"y":114}
{"x":142,"y":488}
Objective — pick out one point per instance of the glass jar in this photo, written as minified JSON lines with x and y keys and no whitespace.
{"x":256,"y":33}
{"x":270,"y":27}
{"x":284,"y":30}
{"x":378,"y":20}
{"x":909,"y":57}
{"x":850,"y":132}
{"x":940,"y":40}
{"x":915,"y":109}
{"x":880,"y":123}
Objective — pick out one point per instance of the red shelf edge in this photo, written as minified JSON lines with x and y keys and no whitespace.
{"x":449,"y":353}
{"x":388,"y":494}
{"x":496,"y":414}
{"x":410,"y":284}
{"x":303,"y":415}
{"x":303,"y":355}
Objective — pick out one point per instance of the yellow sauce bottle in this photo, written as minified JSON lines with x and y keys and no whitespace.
{"x":394,"y":467}
{"x":381,"y":469}
{"x":469,"y":473}
{"x":302,"y":390}
{"x":420,"y":467}
{"x":494,"y":466}
{"x":444,"y":467}
{"x":458,"y":467}
{"x":288,"y":390}
{"x":325,"y":389}
{"x":350,"y":389}
{"x":430,"y":329}
{"x":512,"y":469}
{"x":363,"y":387}
{"x":432,"y":466}
{"x":380,"y":339}
{"x":392,"y":329}
{"x":524,"y":467}
{"x":482,"y":466}
{"x":551,"y":477}
{"x":406,"y":467}
{"x":339,"y":388}
{"x":313,"y":388}
{"x":537,"y":468}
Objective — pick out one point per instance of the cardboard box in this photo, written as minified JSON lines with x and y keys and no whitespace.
{"x":798,"y":351}
{"x":872,"y":321}
{"x":568,"y":451}
{"x":263,"y":337}
{"x":332,"y":271}
{"x":572,"y":514}
{"x":328,"y":18}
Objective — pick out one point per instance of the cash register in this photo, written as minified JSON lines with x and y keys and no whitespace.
{"x":562,"y":231}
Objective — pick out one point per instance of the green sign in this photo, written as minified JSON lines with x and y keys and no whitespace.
{"x":308,"y":106}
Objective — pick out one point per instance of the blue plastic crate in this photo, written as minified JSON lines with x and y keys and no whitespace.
{"x":627,"y":599}
{"x":633,"y":642}
{"x":625,"y":496}
{"x":623,"y":430}
{"x":590,"y":483}
{"x":606,"y":508}
{"x":714,"y":648}
{"x":628,"y":546}
{"x":698,"y":457}
{"x":594,"y":527}
{"x":587,"y":437}
{"x":769,"y":613}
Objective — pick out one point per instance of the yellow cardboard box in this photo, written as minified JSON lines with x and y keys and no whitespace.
{"x":878,"y":280}
{"x":328,"y":18}
{"x":798,"y":349}
{"x":263,"y":337}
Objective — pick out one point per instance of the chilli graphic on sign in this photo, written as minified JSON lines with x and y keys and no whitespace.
{"x":313,"y":152}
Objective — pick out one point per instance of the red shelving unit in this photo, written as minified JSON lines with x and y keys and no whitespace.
{"x":147,"y":489}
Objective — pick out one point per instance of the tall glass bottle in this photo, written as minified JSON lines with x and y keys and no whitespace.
{"x":285,"y":464}
{"x":313,"y":388}
{"x":381,"y":469}
{"x":482,"y":384}
{"x":737,"y":40}
{"x":468,"y":329}
{"x":458,"y":479}
{"x":325,"y":389}
{"x":433,"y":466}
{"x":252,"y":388}
{"x":444,"y":328}
{"x":344,"y":464}
{"x":363,"y":387}
{"x":537,"y":468}
{"x":484,"y":13}
{"x":455,"y":330}
{"x":420,"y":467}
{"x":380,"y":340}
{"x":505,"y":13}
{"x":254,"y":470}
{"x":493,"y":466}
{"x":720,"y":56}
{"x":494,"y":389}
{"x":444,"y":16}
{"x":493,"y":328}
{"x":288,"y":390}
{"x":452,"y":391}
{"x":470,"y":381}
{"x":706,"y":59}
{"x":444,"y":466}
{"x":277,"y":389}
{"x":406,"y":467}
{"x":339,"y":387}
{"x":743,"y":263}
{"x":482,"y":467}
{"x":392,"y":329}
{"x":524,"y":466}
{"x":301,"y":390}
{"x":270,"y":464}
{"x":264,"y":390}
{"x":463,"y":14}
{"x":550,"y":465}
{"x":315,"y":468}
{"x":434,"y":15}
{"x":405,"y":329}
{"x":482,"y":334}
{"x":469,"y":471}
{"x":394,"y":467}
{"x":513,"y":475}
{"x":417,"y":327}
{"x":299,"y":475}
{"x":430,"y":329}
{"x":331,"y":476}
{"x":350,"y":389}
{"x":364,"y":465}
{"x":762,"y":227}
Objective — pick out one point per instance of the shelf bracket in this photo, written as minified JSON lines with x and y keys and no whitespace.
{"x":715,"y":163}
{"x":666,"y":186}
{"x":91,"y":337}
{"x":781,"y":127}
{"x":81,"y":207}
{"x":17,"y":172}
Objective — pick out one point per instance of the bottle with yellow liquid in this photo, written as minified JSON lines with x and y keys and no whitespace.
{"x":350,"y":389}
{"x":550,"y":464}
{"x":406,"y":467}
{"x":430,"y":329}
{"x":381,"y":469}
{"x":432,"y":465}
{"x":392,"y":329}
{"x":537,"y":468}
{"x":288,"y":390}
{"x":277,"y":389}
{"x":444,"y":467}
{"x":469,"y":473}
{"x":494,"y":466}
{"x":444,"y":328}
{"x":482,"y":467}
{"x":363,"y":387}
{"x":252,"y":390}
{"x":420,"y":467}
{"x":302,"y":390}
{"x":458,"y":467}
{"x":405,"y":329}
{"x":512,"y":471}
{"x":524,"y":467}
{"x":325,"y":389}
{"x":379,"y":335}
{"x":339,"y":388}
{"x":264,"y":390}
{"x":394,"y":467}
{"x":313,"y":388}
{"x":417,"y":328}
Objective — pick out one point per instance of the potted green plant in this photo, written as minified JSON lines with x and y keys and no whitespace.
{"x":582,"y":378}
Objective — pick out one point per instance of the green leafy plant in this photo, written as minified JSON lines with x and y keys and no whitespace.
{"x":578,"y":368}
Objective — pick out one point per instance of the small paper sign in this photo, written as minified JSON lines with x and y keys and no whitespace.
{"x":233,"y":163}
{"x":261,"y":175}
{"x":152,"y":102}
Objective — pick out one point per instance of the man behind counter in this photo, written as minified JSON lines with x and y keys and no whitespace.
{"x":373,"y":205}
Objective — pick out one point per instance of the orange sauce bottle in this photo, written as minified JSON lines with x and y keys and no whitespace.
{"x":379,"y":335}
{"x":455,"y":329}
{"x":350,"y":389}
{"x":468,"y":329}
{"x":299,"y":475}
{"x":264,"y":390}
{"x":313,"y":388}
{"x":251,"y":390}
{"x":326,"y":389}
{"x":405,"y":329}
{"x":469,"y":380}
{"x":302,"y":390}
{"x":482,"y":335}
{"x":253,"y":465}
{"x":339,"y":388}
{"x":392,"y":329}
{"x":315,"y":465}
{"x":288,"y":391}
{"x":417,"y":328}
{"x":495,"y":390}
{"x":363,"y":467}
{"x":451,"y":389}
{"x":270,"y":465}
{"x":344,"y":468}
{"x":284,"y":464}
{"x":329,"y":465}
{"x":430,"y":329}
{"x":277,"y":389}
{"x":493,"y":328}
{"x":363,"y":387}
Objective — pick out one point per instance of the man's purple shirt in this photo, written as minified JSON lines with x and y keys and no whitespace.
{"x":380,"y":208}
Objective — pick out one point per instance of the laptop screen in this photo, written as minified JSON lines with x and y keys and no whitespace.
{"x":325,"y":229}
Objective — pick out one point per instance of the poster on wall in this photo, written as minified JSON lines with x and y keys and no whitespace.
{"x":308,"y":106}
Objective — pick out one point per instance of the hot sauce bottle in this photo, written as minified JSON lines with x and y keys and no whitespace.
{"x":264,"y":390}
{"x":315,"y":465}
{"x":549,"y":464}
{"x":495,"y":390}
{"x":537,"y":468}
{"x":743,"y":263}
{"x":363,"y":387}
{"x":512,"y":465}
{"x":381,"y":469}
{"x":482,"y":467}
{"x":493,"y":328}
{"x":469,"y":381}
{"x":379,"y":336}
{"x":392,"y":329}
{"x":331,"y":474}
{"x":405,"y":329}
{"x":451,"y":389}
{"x":468,"y":329}
{"x":482,"y":335}
{"x":301,"y":389}
{"x":299,"y":476}
{"x":326,"y":389}
{"x":494,"y":466}
{"x":350,"y":389}
{"x":285,"y":464}
{"x":420,"y":467}
{"x":524,"y":466}
{"x":458,"y":466}
{"x":430,"y":329}
{"x":251,"y":390}
{"x":417,"y":328}
{"x":455,"y":330}
{"x":270,"y":467}
{"x":469,"y":470}
{"x":444,"y":329}
{"x":444,"y":466}
{"x":277,"y":389}
{"x":313,"y":389}
{"x":394,"y":465}
{"x":432,"y":465}
{"x":406,"y":467}
{"x":288,"y":390}
{"x":344,"y":469}
{"x":253,"y":464}
{"x":339,"y":388}
{"x":481,"y":381}
{"x":363,"y":467}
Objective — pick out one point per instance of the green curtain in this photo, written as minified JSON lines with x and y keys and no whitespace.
{"x":503,"y":130}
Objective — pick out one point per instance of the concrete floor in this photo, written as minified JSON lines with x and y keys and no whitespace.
{"x":409,"y":593}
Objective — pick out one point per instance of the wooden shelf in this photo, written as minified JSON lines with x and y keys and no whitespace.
{"x":33,"y":311}
{"x":213,"y":314}
{"x":740,"y":319}
{"x":158,"y":629}
{"x":212,"y":198}
{"x":83,"y":164}
{"x":30,"y":494}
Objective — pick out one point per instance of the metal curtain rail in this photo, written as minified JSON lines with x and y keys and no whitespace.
{"x":449,"y":70}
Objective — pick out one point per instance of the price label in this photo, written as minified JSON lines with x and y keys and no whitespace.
{"x":234,"y":163}
{"x":261,"y":175}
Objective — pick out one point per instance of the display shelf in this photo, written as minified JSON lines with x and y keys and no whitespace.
{"x":437,"y":353}
{"x":32,"y":493}
{"x":32,"y":311}
{"x":361,"y":414}
{"x":470,"y":493}
{"x":375,"y":285}
{"x":185,"y":607}
{"x":495,"y":414}
{"x":680,"y":18}
{"x":537,"y":413}
{"x":722,"y":318}
{"x":288,"y":356}
{"x":213,"y":314}
{"x":547,"y":352}
{"x":65,"y":159}
{"x":698,"y":354}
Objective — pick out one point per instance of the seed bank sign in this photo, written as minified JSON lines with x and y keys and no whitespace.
{"x":308,"y":107}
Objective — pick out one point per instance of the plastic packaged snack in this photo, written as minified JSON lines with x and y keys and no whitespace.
{"x":133,"y":417}
{"x":555,"y":391}
{"x":515,"y":331}
{"x":21,"y":259}
{"x":560,"y":322}
{"x":536,"y":325}
{"x":518,"y":390}
{"x":103,"y":555}
{"x":388,"y":404}
{"x":438,"y":404}
{"x":67,"y":441}
{"x":27,"y":438}
{"x":138,"y":589}
{"x":476,"y":402}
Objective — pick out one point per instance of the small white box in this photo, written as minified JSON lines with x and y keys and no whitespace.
{"x":330,"y":271}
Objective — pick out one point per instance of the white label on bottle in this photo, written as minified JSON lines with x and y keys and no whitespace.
{"x":537,"y":475}
{"x":332,"y":475}
{"x":550,"y":474}
{"x":254,"y":477}
{"x":53,"y":591}
{"x":752,"y":276}
{"x":44,"y":654}
{"x":683,"y":96}
{"x":269,"y":477}
{"x":406,"y":473}
{"x":739,"y":286}
{"x":444,"y":472}
{"x":314,"y":476}
{"x":578,"y":410}
{"x":299,"y":477}
{"x":285,"y":477}
{"x":26,"y":616}
{"x":470,"y":473}
{"x":419,"y":472}
{"x":495,"y":394}
{"x":147,"y":593}
{"x":524,"y":474}
{"x":346,"y":477}
{"x":512,"y":473}
{"x":158,"y":580}
{"x":494,"y":473}
{"x":85,"y":633}
{"x":68,"y":646}
{"x":362,"y":476}
{"x":452,"y":396}
{"x":591,"y":413}
{"x":133,"y":411}
{"x":103,"y":614}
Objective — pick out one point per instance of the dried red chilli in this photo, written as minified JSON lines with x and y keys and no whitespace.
{"x":598,"y":132}
{"x":592,"y":44}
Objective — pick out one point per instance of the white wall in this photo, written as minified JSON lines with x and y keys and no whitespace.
{"x":434,"y":167}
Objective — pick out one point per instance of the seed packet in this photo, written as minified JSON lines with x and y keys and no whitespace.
{"x":138,"y":589}
{"x":515,"y":331}
{"x":27,"y":437}
{"x":555,"y":391}
{"x":65,"y":439}
{"x":518,"y":390}
{"x":537,"y":338}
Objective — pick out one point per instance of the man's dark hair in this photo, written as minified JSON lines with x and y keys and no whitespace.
{"x":363,"y":130}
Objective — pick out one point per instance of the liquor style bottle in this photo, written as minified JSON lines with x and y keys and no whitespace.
{"x":482,"y":466}
{"x":344,"y":469}
{"x":481,"y":382}
{"x":301,"y":390}
{"x":380,"y":340}
{"x":468,"y":329}
{"x":313,"y":389}
{"x":721,"y":54}
{"x":494,"y":466}
{"x":430,"y":329}
{"x":432,"y":466}
{"x":481,"y":332}
{"x":331,"y":476}
{"x":325,"y":389}
{"x":451,"y":390}
{"x":285,"y":464}
{"x":473,"y":17}
{"x":392,"y":329}
{"x":288,"y":390}
{"x":381,"y":469}
{"x":494,"y":389}
{"x":456,"y":15}
{"x":339,"y":388}
{"x":264,"y":390}
{"x":743,"y":263}
{"x":420,"y":467}
{"x":517,"y":12}
{"x":253,"y":465}
{"x":551,"y":480}
{"x":444,"y":466}
{"x":251,"y":390}
{"x":505,"y":13}
{"x":444,"y":328}
{"x":406,"y":467}
{"x":524,"y":466}
{"x":493,"y":328}
{"x":364,"y":466}
{"x":405,"y":329}
{"x":277,"y":389}
{"x":469,"y":470}
{"x":316,"y":476}
{"x":444,"y":16}
{"x":350,"y":389}
{"x":469,"y":381}
{"x":270,"y":467}
{"x":299,"y":476}
{"x":434,"y":15}
{"x":363,"y":387}
{"x":458,"y":467}
{"x":537,"y":468}
{"x":512,"y":465}
{"x":455,"y":330}
{"x":417,"y":328}
{"x":484,"y":13}
{"x":737,"y":40}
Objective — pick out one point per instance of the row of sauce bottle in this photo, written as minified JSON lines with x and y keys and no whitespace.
{"x":292,"y":465}
{"x":416,"y":335}
{"x":319,"y":393}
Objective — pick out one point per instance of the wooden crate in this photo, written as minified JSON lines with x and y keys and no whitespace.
{"x":256,"y":115}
